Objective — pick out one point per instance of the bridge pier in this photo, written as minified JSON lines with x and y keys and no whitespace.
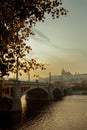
{"x":16,"y":105}
{"x":55,"y":94}
{"x":16,"y":101}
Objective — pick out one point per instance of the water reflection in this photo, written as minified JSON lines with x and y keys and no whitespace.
{"x":68,"y":114}
{"x":32,"y":108}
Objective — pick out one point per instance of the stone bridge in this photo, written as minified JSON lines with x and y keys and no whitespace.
{"x":33,"y":90}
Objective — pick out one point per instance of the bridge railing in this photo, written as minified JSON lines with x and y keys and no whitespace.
{"x":25,"y":86}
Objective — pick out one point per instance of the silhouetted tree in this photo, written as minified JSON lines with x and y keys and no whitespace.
{"x":17,"y":17}
{"x":16,"y":20}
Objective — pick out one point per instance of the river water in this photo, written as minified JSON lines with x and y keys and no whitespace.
{"x":67,"y":114}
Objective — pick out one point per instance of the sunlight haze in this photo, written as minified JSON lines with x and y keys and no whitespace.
{"x":62,"y":43}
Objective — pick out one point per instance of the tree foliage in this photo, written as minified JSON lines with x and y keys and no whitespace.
{"x":17,"y":17}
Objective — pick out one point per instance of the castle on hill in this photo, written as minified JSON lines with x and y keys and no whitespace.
{"x":65,"y":73}
{"x":69,"y":77}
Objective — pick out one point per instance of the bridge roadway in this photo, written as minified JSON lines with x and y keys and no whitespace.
{"x":34,"y":91}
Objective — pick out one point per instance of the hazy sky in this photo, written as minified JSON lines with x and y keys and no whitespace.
{"x":62,"y":43}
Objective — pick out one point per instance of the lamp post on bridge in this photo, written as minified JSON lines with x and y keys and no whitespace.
{"x":17,"y":70}
{"x":49,"y":77}
{"x":28,"y":76}
{"x":16,"y":89}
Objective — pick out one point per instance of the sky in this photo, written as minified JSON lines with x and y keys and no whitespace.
{"x":62,"y":43}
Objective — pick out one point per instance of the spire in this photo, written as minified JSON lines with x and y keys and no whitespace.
{"x":63,"y":72}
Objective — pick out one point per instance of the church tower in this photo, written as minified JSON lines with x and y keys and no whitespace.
{"x":63,"y":72}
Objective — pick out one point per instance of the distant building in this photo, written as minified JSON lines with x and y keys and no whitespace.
{"x":65,"y":76}
{"x":65,"y":73}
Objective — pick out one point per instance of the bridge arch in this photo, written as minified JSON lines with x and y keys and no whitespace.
{"x":37,"y":94}
{"x":65,"y":92}
{"x":57,"y":94}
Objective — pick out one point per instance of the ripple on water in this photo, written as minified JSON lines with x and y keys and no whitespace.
{"x":68,"y":114}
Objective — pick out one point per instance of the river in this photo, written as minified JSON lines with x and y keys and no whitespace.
{"x":67,"y":114}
